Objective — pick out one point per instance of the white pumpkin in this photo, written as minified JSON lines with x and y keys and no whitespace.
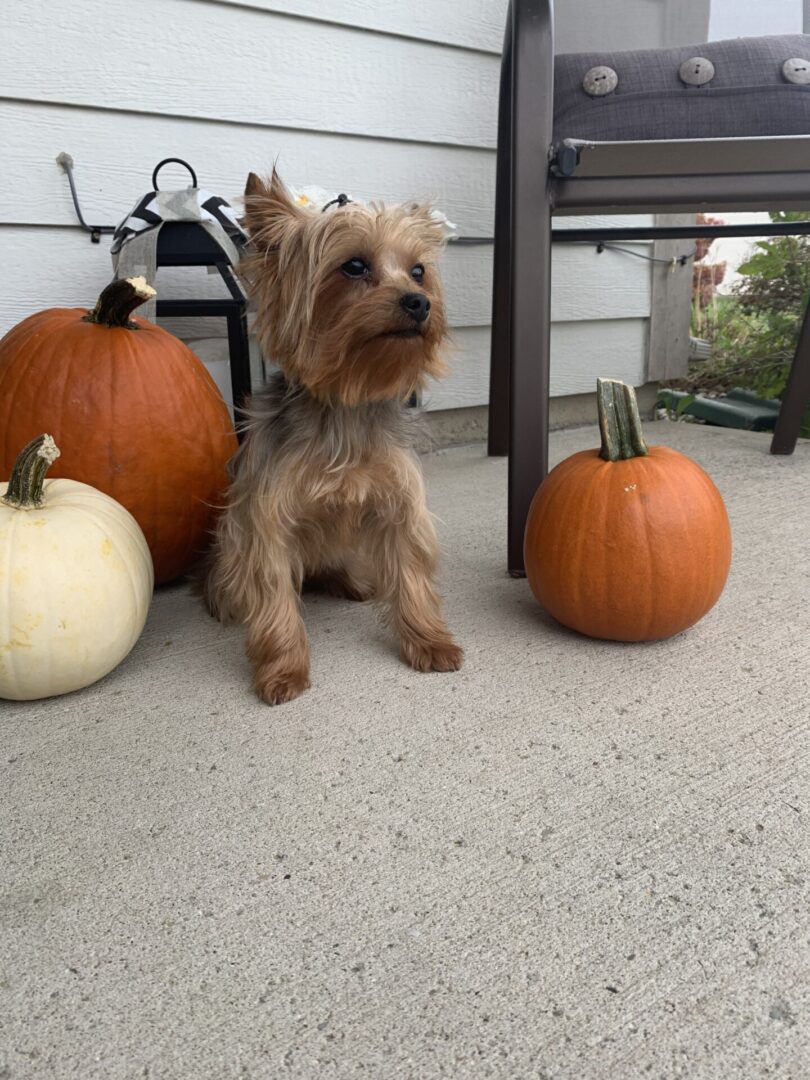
{"x":76,"y":580}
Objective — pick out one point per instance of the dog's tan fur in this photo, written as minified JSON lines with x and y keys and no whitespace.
{"x":327,"y":484}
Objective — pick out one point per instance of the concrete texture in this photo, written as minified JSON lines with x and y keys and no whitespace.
{"x":572,"y":859}
{"x":453,"y":427}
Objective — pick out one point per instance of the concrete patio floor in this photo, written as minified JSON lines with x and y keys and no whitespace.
{"x":572,"y":859}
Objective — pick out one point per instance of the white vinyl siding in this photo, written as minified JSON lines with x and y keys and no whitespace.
{"x":374,"y":97}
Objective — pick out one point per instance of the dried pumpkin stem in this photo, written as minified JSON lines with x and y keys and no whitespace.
{"x":119,"y":300}
{"x":28,"y":474}
{"x":619,"y":421}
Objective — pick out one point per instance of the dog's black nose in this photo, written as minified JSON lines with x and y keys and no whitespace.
{"x":417,"y":305}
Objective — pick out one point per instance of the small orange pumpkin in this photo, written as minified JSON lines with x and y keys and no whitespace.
{"x":134,"y":411}
{"x":627,"y":542}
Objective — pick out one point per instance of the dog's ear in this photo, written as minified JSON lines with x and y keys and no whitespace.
{"x":255,"y":185}
{"x":269,"y":209}
{"x":421,"y":216}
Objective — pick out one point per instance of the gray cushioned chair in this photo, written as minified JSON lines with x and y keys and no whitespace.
{"x":654,"y":134}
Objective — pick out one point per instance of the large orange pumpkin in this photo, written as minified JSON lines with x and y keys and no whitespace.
{"x":133,"y":410}
{"x":628,"y":542}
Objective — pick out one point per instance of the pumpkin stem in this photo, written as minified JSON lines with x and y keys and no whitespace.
{"x":118,"y":301}
{"x":619,"y":421}
{"x":28,"y":474}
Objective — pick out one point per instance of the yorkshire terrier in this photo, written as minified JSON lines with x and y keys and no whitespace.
{"x":326,"y":484}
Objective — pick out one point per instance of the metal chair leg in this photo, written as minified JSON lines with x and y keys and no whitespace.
{"x":500,"y":359}
{"x":533,"y":80}
{"x":531,"y":361}
{"x":796,"y":397}
{"x":239,"y":352}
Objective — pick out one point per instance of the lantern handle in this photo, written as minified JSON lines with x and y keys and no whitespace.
{"x":178,"y":161}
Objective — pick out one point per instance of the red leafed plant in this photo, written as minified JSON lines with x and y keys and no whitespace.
{"x":706,"y":276}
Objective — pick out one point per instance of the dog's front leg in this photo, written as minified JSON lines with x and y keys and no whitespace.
{"x":277,"y":640}
{"x":406,"y":558}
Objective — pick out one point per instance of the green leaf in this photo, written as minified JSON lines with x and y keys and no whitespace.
{"x":764,"y":264}
{"x":784,"y":216}
{"x":683,"y":404}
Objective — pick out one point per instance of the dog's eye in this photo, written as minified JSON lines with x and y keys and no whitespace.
{"x":418,"y":272}
{"x":355,"y":268}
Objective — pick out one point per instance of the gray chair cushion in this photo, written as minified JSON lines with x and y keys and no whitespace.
{"x":748,"y":95}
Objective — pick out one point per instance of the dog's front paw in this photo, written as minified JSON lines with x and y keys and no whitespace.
{"x":441,"y":655}
{"x":275,"y":687}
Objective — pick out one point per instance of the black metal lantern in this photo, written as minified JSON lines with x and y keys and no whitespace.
{"x":190,"y":227}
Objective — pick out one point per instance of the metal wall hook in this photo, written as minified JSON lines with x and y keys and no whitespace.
{"x":65,"y":161}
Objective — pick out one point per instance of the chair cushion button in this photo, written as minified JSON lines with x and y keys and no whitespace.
{"x":797,"y":71}
{"x":600,"y":81}
{"x":696,"y":71}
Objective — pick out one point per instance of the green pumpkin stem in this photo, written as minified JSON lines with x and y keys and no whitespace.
{"x":118,"y":301}
{"x":619,"y":421}
{"x":28,"y":474}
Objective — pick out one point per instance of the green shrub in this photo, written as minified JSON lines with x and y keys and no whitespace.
{"x":753,"y":332}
